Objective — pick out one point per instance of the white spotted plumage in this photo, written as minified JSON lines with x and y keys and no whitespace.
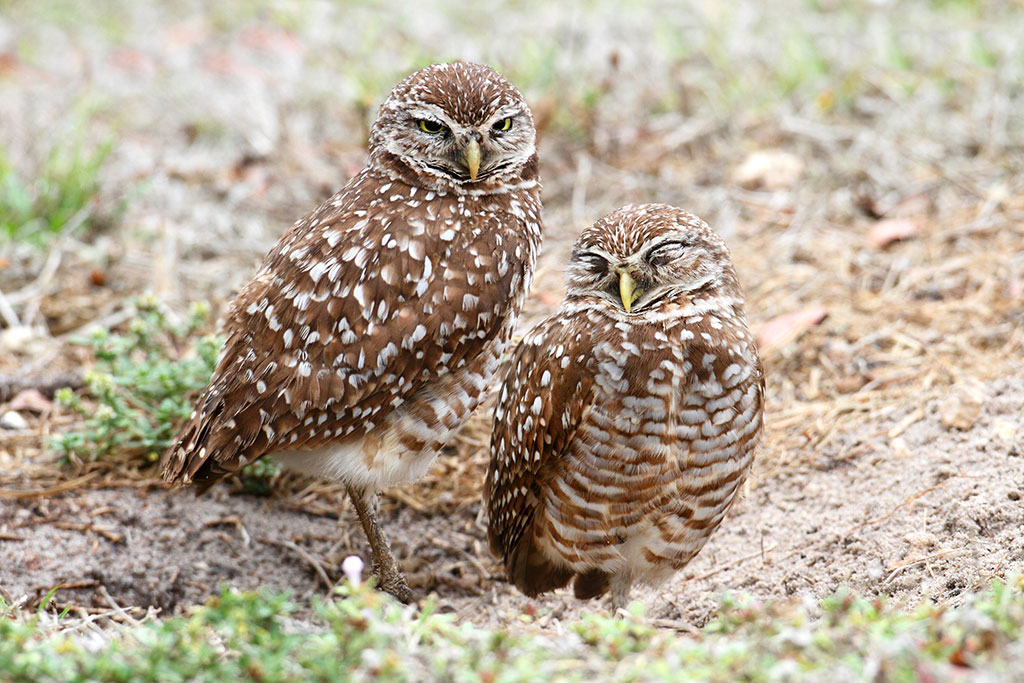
{"x":373,"y":327}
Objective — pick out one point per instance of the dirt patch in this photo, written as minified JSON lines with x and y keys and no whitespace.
{"x":170,"y":550}
{"x":925,"y":514}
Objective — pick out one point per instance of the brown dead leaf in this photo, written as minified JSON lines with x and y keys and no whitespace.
{"x":770,"y":169}
{"x":786,"y":328}
{"x":9,"y":63}
{"x":885,"y":232}
{"x":962,"y":406}
{"x":31,"y":400}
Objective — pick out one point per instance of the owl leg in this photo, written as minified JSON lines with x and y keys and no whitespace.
{"x":389,"y":577}
{"x":620,"y":586}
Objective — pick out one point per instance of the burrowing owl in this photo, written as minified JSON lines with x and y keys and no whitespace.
{"x":629,"y":418}
{"x":375,"y":324}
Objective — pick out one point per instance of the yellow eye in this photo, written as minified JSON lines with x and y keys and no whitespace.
{"x":503,"y":125}
{"x":428,"y":126}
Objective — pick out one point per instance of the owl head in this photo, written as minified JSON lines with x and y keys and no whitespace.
{"x":457,"y":127}
{"x":641,"y":258}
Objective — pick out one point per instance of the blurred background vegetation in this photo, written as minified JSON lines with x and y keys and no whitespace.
{"x":182,"y":106}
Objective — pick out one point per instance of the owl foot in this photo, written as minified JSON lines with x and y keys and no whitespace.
{"x":395,"y":585}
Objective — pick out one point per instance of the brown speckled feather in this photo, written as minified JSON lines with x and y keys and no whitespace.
{"x":373,"y":327}
{"x":328,"y":361}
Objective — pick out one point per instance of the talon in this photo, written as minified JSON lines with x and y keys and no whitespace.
{"x":397,"y":587}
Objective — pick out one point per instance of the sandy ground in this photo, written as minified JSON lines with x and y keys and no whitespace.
{"x":873,"y":201}
{"x":926,"y":515}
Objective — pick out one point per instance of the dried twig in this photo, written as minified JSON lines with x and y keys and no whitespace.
{"x":305,"y":555}
{"x":11,"y":385}
{"x":50,"y":490}
{"x":913,"y":563}
{"x":739,"y":560}
{"x":906,"y":502}
{"x":117,"y":608}
{"x":111,"y":536}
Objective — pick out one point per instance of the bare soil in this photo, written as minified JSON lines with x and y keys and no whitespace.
{"x":928,"y":515}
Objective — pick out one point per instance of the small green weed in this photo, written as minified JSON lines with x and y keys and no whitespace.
{"x":62,"y":194}
{"x":142,"y":386}
{"x":142,"y":389}
{"x":362,"y":634}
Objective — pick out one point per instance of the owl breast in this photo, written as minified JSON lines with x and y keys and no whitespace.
{"x":464,"y":274}
{"x":662,"y":450}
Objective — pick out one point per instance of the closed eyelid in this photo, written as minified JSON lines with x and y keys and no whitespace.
{"x":673,"y":244}
{"x":589,"y":259}
{"x":668,"y":247}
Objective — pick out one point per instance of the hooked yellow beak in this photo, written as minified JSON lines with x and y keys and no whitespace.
{"x":628,"y":289}
{"x":471,"y":158}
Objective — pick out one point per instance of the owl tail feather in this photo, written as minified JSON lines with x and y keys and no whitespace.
{"x":592,"y":583}
{"x":187,"y":460}
{"x":532,"y":572}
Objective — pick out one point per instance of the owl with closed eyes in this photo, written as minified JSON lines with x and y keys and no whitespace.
{"x":374,"y":326}
{"x":628,"y":420}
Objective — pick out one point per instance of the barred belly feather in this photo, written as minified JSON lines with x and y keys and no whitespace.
{"x":621,"y":438}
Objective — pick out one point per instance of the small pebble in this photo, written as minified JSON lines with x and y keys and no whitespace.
{"x":13,"y":421}
{"x":962,"y":407}
{"x":1005,"y":430}
{"x":922,"y":539}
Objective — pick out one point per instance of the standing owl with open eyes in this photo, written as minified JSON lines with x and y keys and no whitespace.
{"x":628,"y":419}
{"x":375,"y":324}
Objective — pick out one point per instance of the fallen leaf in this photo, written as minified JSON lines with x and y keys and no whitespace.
{"x":31,"y":400}
{"x":962,"y":406}
{"x":786,"y":328}
{"x":770,"y":169}
{"x":9,"y":63}
{"x":885,"y":232}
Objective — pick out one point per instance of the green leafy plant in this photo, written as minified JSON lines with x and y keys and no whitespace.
{"x":142,"y":389}
{"x":362,"y":634}
{"x":61,"y":195}
{"x":142,"y":386}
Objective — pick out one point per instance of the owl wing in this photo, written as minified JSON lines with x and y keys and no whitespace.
{"x":356,"y":309}
{"x":543,"y":402}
